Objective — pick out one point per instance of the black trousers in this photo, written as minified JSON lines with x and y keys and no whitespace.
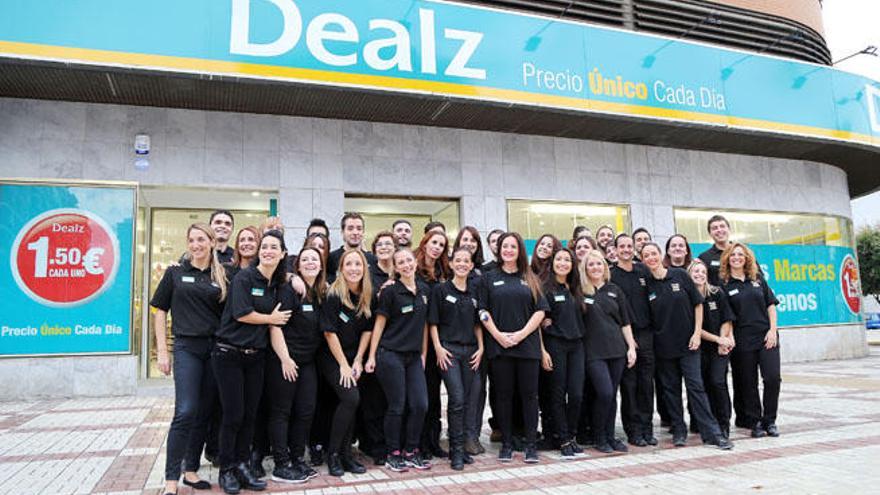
{"x":319,"y":436}
{"x":462,"y":392}
{"x":545,"y":406}
{"x":240,"y":384}
{"x":686,"y":367}
{"x":403,"y":379}
{"x":714,"y":371}
{"x":605,"y":375}
{"x":291,"y":409}
{"x":745,"y":366}
{"x":261,"y":423}
{"x":637,"y":388}
{"x":432,"y":427}
{"x":371,"y":417}
{"x":586,"y":428}
{"x":193,"y":380}
{"x":344,"y":415}
{"x":510,"y":374}
{"x":566,"y":385}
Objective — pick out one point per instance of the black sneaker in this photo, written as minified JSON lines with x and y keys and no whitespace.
{"x":650,"y":439}
{"x":334,"y":465}
{"x":567,"y":453}
{"x":256,"y":465}
{"x":531,"y":454}
{"x":604,"y":447}
{"x":637,"y":441}
{"x":723,"y":443}
{"x":396,"y":463}
{"x":456,"y":459}
{"x":468,"y":459}
{"x":772,"y":430}
{"x":414,"y":460}
{"x":679,"y":440}
{"x":305,"y":468}
{"x":289,"y":474}
{"x":316,"y":455}
{"x":618,"y":446}
{"x":577,"y":449}
{"x":506,"y":453}
{"x":758,"y":431}
{"x":350,"y":464}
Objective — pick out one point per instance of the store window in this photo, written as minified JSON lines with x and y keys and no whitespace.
{"x":758,"y":227}
{"x":380,"y":213}
{"x":532,"y":219}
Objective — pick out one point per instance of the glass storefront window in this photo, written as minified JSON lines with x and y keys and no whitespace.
{"x":380,"y":213}
{"x":757,"y":227}
{"x":532,"y":219}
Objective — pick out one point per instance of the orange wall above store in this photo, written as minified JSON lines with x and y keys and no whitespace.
{"x":807,"y":12}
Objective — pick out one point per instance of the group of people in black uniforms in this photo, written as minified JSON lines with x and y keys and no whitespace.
{"x":283,"y":353}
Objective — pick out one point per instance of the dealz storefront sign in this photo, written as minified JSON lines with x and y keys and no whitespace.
{"x":67,"y":286}
{"x":457,"y":50}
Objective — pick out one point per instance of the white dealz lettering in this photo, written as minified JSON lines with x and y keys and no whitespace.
{"x":381,"y":52}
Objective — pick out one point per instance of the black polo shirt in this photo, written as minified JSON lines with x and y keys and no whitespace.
{"x":336,"y":255}
{"x":193,"y":299}
{"x":634,"y":284}
{"x":712,"y":259}
{"x":248,"y":292}
{"x":407,"y":315}
{"x":454,"y":312}
{"x":378,"y":277}
{"x":565,"y":312}
{"x":716,"y":312}
{"x":302,"y":333}
{"x":672,"y":301}
{"x":507,"y":297}
{"x":345,"y":323}
{"x":749,"y":300}
{"x":225,"y":256}
{"x":605,"y":313}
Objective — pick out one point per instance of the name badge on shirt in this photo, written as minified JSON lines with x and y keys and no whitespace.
{"x":652,"y":296}
{"x":257,"y":292}
{"x":589,"y":300}
{"x":343,"y":317}
{"x":188,"y":280}
{"x":755,"y":283}
{"x":612,"y":294}
{"x":523,"y":282}
{"x":559,"y":298}
{"x":424,"y":299}
{"x":498,"y":282}
{"x":215,"y":284}
{"x":675,"y":287}
{"x":642,"y":281}
{"x":713,"y":306}
{"x":474,"y":301}
{"x":733,"y":292}
{"x":307,"y":308}
{"x":406,"y":309}
{"x":451,"y":298}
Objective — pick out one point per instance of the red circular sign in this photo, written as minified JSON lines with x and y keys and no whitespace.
{"x":65,"y":257}
{"x":849,"y":284}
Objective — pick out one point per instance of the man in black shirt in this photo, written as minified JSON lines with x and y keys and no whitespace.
{"x":352,"y":238}
{"x":403,"y":233}
{"x":637,"y":385}
{"x":221,"y":223}
{"x":719,"y":230}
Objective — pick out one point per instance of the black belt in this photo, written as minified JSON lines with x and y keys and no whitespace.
{"x":243,"y":350}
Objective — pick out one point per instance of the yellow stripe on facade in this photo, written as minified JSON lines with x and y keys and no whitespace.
{"x":164,"y":62}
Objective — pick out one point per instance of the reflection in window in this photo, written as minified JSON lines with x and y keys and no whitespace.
{"x":757,"y":227}
{"x":535,"y":218}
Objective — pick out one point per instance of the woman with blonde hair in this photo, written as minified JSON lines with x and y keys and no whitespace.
{"x":194,"y":291}
{"x":717,"y":342}
{"x":757,"y":340}
{"x":608,"y":343}
{"x":347,"y":323}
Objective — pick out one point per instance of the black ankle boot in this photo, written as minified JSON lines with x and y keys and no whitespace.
{"x":350,"y":464}
{"x":247,"y":479}
{"x":334,"y":465}
{"x":456,"y":459}
{"x":256,"y":464}
{"x":229,"y":482}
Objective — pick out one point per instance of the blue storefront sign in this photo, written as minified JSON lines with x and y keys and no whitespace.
{"x":434,"y":47}
{"x":815,"y":285}
{"x":65,"y":269}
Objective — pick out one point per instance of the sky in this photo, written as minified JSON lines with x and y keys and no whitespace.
{"x":850,"y":26}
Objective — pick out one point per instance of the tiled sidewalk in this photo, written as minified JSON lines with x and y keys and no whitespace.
{"x":830,"y":443}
